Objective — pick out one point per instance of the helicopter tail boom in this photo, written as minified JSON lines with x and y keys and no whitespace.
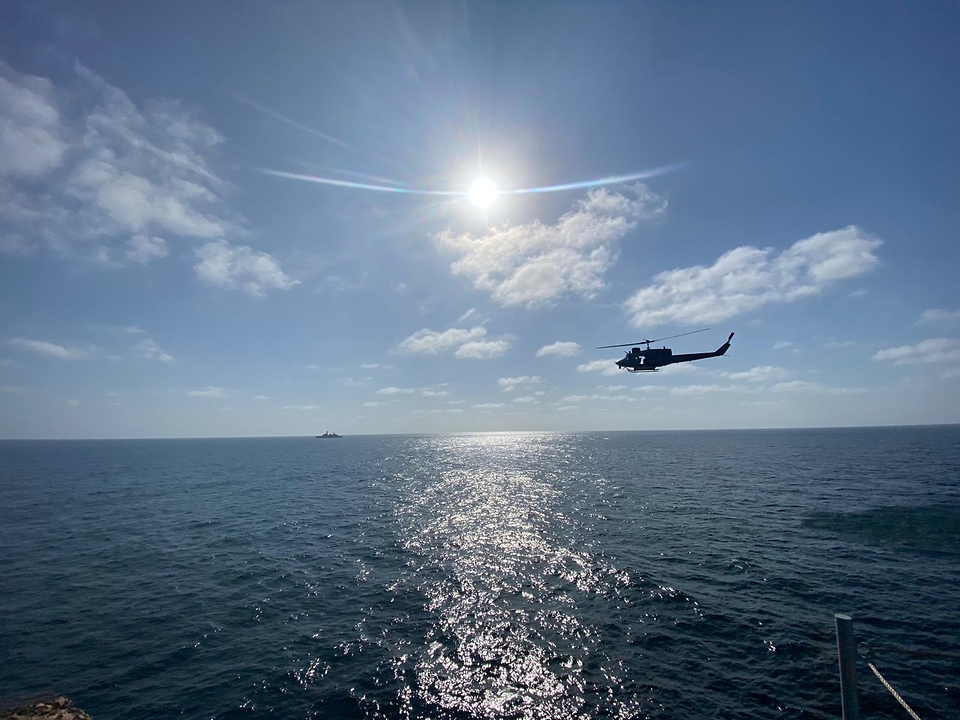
{"x":701,"y":356}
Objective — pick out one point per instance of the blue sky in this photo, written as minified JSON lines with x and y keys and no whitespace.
{"x":799,"y":186}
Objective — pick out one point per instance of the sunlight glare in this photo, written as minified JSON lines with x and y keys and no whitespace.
{"x":483,"y":193}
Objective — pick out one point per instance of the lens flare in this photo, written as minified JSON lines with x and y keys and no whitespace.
{"x":483,"y":192}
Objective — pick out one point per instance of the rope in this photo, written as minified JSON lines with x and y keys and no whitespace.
{"x":893,"y":692}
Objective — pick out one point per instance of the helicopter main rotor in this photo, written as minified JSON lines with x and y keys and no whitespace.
{"x":648,"y":342}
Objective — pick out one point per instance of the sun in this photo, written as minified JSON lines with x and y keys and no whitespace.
{"x":483,"y":193}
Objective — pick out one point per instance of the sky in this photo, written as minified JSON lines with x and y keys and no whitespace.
{"x":245,"y":219}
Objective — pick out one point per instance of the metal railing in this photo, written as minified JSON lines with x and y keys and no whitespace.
{"x":847,"y":658}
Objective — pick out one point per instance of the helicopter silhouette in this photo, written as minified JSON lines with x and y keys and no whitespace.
{"x":649,"y":359}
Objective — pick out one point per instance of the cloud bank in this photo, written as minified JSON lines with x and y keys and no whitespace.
{"x":535,"y":265}
{"x":89,"y":175}
{"x":748,"y":278}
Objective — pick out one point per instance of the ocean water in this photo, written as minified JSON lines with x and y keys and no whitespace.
{"x":517,"y":575}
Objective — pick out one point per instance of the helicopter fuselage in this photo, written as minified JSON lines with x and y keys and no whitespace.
{"x":649,"y":359}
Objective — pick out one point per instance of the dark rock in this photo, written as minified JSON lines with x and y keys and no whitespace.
{"x":59,"y":709}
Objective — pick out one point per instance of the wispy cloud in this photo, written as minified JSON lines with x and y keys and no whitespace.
{"x":131,"y":173}
{"x":526,"y":400}
{"x":560,"y":349}
{"x":239,"y":266}
{"x":149,"y":349}
{"x":761,"y":373}
{"x":133,"y":177}
{"x":597,"y":396}
{"x":301,"y":407}
{"x":508,"y":384}
{"x":32,"y":139}
{"x":142,"y":249}
{"x":705,"y":389}
{"x":211,"y":391}
{"x":391,"y":390}
{"x":426,"y":392}
{"x":804,"y":386}
{"x":748,"y":278}
{"x":469,"y":315}
{"x":783,"y":344}
{"x":49,"y":349}
{"x":939,"y":317}
{"x":935,"y":350}
{"x":607,"y":367}
{"x":536,"y":265}
{"x":488,"y":406}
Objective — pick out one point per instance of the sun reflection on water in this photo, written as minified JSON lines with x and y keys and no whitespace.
{"x":495,"y":556}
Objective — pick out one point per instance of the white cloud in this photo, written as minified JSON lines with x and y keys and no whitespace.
{"x":611,"y":388}
{"x":804,"y":386}
{"x":142,"y":249}
{"x":150,"y":349}
{"x":434,"y":393}
{"x":482,"y":349}
{"x":838,"y":344}
{"x":536,"y":264}
{"x":596,"y":396}
{"x":508,"y":384}
{"x":527,"y":400}
{"x":211,"y":391}
{"x":677,"y":369}
{"x":31,"y":134}
{"x":49,"y":349}
{"x":607,"y":367}
{"x":567,"y":408}
{"x":301,"y":407}
{"x":73,"y":403}
{"x":130,"y":171}
{"x":470,"y":314}
{"x":939,"y":316}
{"x":239,"y":266}
{"x":372,"y":404}
{"x":561,"y":349}
{"x":748,"y":278}
{"x":431,"y":342}
{"x":488,"y":406}
{"x":783,"y":344}
{"x":353,"y":382}
{"x":936,"y":350}
{"x":261,"y":397}
{"x":705,"y":389}
{"x":761,"y":373}
{"x":376,"y":366}
{"x":391,"y":390}
{"x":469,"y":344}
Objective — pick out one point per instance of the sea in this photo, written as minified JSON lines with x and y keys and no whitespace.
{"x":496,"y":575}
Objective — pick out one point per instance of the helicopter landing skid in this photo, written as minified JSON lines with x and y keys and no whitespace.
{"x":641,"y":370}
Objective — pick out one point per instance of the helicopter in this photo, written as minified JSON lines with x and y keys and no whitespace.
{"x":649,"y":359}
